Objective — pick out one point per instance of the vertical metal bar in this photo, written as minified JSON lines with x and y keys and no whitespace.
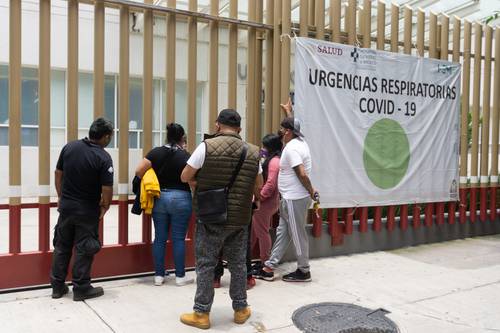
{"x":335,"y":11}
{"x":444,"y":42}
{"x":311,"y":6}
{"x":428,"y":211}
{"x":391,"y":220}
{"x":416,"y":216}
{"x":438,"y":41}
{"x":445,"y":34}
{"x":351,"y":31}
{"x":367,"y":25}
{"x":363,"y":219}
{"x":336,"y":232}
{"x":277,"y":65}
{"x":213,"y":69}
{"x":485,"y":126}
{"x":494,"y":132}
{"x":349,"y":215}
{"x":408,"y":15}
{"x":394,"y":27}
{"x":147,"y":103}
{"x":403,"y":217}
{"x":361,"y":22}
{"x":258,"y":74}
{"x":98,"y":58}
{"x":14,"y":126}
{"x":432,"y":35}
{"x":380,"y":25}
{"x":72,"y":98}
{"x":268,"y":93}
{"x":464,"y":140}
{"x":420,"y":32}
{"x":456,"y":39}
{"x":476,"y":93}
{"x":319,"y":19}
{"x":233,"y":48}
{"x":146,"y":228}
{"x":394,"y":48}
{"x":317,"y":222}
{"x":147,"y":82}
{"x":123,"y":104}
{"x":304,"y":24}
{"x":251,"y":77}
{"x":429,"y":208}
{"x":192,"y":75}
{"x":170,"y":67}
{"x":285,"y":51}
{"x":347,"y":15}
{"x":377,"y":219}
{"x":403,"y":222}
{"x":44,"y":126}
{"x":452,"y":207}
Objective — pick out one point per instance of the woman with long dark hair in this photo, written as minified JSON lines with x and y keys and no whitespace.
{"x":261,"y":220}
{"x":172,"y":209}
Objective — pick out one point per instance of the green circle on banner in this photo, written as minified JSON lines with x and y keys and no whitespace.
{"x":386,"y":153}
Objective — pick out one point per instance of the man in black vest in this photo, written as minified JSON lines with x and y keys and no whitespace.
{"x":84,"y":185}
{"x":211,"y":167}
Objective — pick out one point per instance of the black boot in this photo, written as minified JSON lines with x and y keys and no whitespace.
{"x":91,"y":292}
{"x":58,"y":292}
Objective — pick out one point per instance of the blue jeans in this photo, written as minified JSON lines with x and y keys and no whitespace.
{"x":172,"y":210}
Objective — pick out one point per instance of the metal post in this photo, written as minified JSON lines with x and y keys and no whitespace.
{"x":44,"y":126}
{"x":123,"y":150}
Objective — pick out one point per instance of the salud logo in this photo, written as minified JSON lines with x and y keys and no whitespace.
{"x":355,"y":54}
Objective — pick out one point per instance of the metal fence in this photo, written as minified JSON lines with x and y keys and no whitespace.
{"x":268,"y":49}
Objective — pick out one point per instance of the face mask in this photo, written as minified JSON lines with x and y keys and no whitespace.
{"x":264,"y":153}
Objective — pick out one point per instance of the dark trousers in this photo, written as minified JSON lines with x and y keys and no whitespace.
{"x":219,"y":269}
{"x":210,"y":239}
{"x":82,"y":233}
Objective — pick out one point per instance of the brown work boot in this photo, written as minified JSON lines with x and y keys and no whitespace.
{"x":241,"y":316}
{"x":197,"y":319}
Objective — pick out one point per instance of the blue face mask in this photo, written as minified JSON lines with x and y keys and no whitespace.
{"x":264,"y":153}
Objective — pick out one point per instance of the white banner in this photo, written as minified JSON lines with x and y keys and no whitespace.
{"x":383,"y":127}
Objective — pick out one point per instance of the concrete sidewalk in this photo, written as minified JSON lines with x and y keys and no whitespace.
{"x":445,"y":287}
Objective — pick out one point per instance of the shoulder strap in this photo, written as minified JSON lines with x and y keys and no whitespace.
{"x":238,"y":167}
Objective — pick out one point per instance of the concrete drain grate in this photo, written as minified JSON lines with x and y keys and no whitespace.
{"x":342,"y":318}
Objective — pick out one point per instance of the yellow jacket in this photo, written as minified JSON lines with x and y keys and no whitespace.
{"x":150,"y":189}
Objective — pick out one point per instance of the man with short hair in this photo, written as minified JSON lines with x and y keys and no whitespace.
{"x":84,"y":185}
{"x":211,"y":166}
{"x":297,"y":194}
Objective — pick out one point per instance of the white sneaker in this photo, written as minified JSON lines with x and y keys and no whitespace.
{"x":182,"y":281}
{"x":159,"y":280}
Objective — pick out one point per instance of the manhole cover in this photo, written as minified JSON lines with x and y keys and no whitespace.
{"x":342,"y":318}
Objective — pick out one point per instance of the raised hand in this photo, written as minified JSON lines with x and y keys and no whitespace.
{"x":287,"y":108}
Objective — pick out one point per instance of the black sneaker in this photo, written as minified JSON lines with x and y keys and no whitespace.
{"x":297,"y":276}
{"x":256,"y":267}
{"x":58,"y":292}
{"x":263,"y":275}
{"x":91,"y":292}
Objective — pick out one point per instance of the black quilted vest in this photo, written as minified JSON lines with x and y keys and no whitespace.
{"x":222,"y":155}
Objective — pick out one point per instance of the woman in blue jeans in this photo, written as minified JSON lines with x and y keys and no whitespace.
{"x":172,"y":210}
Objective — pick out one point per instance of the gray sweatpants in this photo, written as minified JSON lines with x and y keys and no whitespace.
{"x":292,"y":227}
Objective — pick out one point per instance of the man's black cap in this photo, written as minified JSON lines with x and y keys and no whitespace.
{"x":229,"y":117}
